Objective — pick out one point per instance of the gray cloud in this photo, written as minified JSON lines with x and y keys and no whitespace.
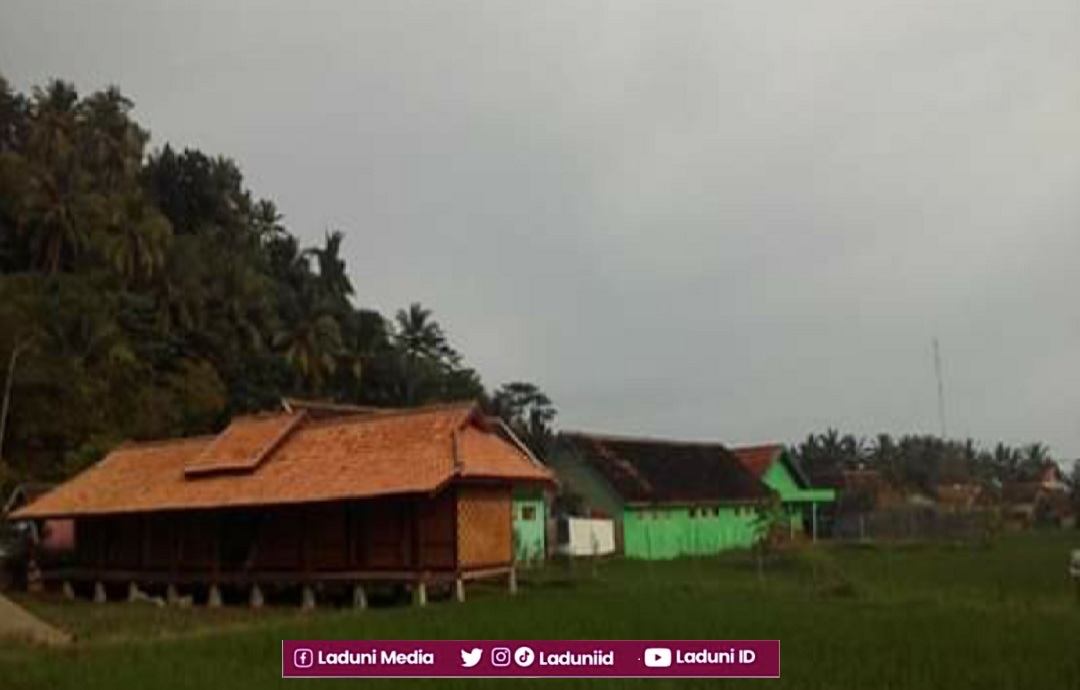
{"x":741,"y":220}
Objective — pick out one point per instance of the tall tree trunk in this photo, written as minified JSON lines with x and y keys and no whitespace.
{"x":15,"y":352}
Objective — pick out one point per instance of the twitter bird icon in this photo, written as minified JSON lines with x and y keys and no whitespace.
{"x":470,"y":659}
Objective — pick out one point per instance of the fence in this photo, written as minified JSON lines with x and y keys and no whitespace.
{"x":915,"y":523}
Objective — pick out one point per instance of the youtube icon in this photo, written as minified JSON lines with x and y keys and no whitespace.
{"x":658,"y":657}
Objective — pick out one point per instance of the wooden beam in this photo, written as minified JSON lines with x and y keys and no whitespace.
{"x":144,"y":547}
{"x":417,"y":535}
{"x":269,"y":576}
{"x":401,"y":513}
{"x":454,"y":507}
{"x":178,"y":544}
{"x":215,"y":563}
{"x":350,"y":534}
{"x":305,"y":543}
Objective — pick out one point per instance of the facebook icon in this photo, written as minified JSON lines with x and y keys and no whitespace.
{"x":302,"y":658}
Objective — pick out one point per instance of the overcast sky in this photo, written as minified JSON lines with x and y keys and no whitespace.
{"x":734,"y":220}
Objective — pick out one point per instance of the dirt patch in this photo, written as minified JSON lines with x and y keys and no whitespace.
{"x":18,"y":623}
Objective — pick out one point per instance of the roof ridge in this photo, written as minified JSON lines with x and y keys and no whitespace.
{"x":645,"y":439}
{"x":128,"y":444}
{"x":391,"y":413}
{"x":757,"y":446}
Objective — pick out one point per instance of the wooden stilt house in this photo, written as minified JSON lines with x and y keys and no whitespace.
{"x":301,"y":497}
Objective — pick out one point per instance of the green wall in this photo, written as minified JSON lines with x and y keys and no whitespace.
{"x":665,"y":532}
{"x":779,"y":478}
{"x":577,"y":476}
{"x":529,"y":532}
{"x":797,"y":501}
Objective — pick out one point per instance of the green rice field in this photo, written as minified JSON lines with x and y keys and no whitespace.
{"x":949,"y":616}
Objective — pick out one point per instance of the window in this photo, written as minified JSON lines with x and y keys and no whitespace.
{"x":693,"y":513}
{"x":716,"y":511}
{"x":528,"y":512}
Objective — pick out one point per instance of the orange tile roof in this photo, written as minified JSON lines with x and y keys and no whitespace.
{"x":758,"y":459}
{"x":326,"y":460}
{"x":244,"y":444}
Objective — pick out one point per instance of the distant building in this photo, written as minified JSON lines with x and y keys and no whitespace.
{"x":667,"y":498}
{"x":961,"y":497}
{"x":54,"y":540}
{"x":1040,"y":501}
{"x":800,"y":502}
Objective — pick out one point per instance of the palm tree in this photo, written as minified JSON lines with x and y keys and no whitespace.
{"x":419,"y":335}
{"x":135,"y":245}
{"x":113,"y":144}
{"x":422,"y":344}
{"x":527,"y":410}
{"x":58,"y":207}
{"x":333,"y":277}
{"x":1006,"y":461}
{"x":55,"y":123}
{"x":884,"y":456}
{"x":1033,"y":459}
{"x":311,"y":343}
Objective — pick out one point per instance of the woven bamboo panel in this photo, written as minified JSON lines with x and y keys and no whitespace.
{"x":484,"y":526}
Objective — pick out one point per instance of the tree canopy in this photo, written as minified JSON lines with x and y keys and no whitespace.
{"x":150,"y":294}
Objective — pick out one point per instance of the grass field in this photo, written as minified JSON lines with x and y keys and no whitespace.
{"x":914,"y":616}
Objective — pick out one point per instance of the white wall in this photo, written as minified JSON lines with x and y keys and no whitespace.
{"x":588,"y":537}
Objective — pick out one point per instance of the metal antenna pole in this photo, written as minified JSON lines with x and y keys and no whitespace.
{"x":940,"y":389}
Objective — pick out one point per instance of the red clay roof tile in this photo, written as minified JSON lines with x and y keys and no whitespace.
{"x":334,"y":459}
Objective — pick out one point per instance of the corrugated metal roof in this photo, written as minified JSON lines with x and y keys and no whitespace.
{"x":664,"y":471}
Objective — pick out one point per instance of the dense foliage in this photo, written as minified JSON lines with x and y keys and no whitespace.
{"x":921,"y":462}
{"x":150,"y":294}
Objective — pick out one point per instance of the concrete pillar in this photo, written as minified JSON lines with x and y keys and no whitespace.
{"x":307,"y":598}
{"x":213,"y":599}
{"x":68,"y":590}
{"x":100,"y":597}
{"x":459,"y":590}
{"x":172,"y":597}
{"x":256,"y":600}
{"x":420,"y":593}
{"x":511,"y":581}
{"x":133,"y":592}
{"x":359,"y":597}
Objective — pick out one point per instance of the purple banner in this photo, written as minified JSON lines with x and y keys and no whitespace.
{"x":530,"y":659}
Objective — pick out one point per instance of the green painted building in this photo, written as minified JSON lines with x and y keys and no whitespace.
{"x":530,"y":524}
{"x":667,"y":498}
{"x":800,"y":502}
